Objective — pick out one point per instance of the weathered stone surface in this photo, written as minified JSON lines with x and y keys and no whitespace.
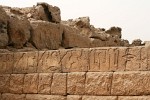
{"x":76,"y":60}
{"x":4,"y":83}
{"x":98,"y":83}
{"x":3,"y":28}
{"x":136,"y":59}
{"x":76,"y":83}
{"x":134,"y":98}
{"x":6,"y":63}
{"x":45,"y":80}
{"x":25,"y":62}
{"x":19,"y":30}
{"x":131,"y":83}
{"x":52,"y":12}
{"x":44,"y":97}
{"x":30,"y":83}
{"x":8,"y":96}
{"x":99,"y":98}
{"x":72,"y":38}
{"x":49,"y":61}
{"x":59,"y":84}
{"x":46,"y":35}
{"x":114,"y":31}
{"x":97,"y":43}
{"x":136,"y":42}
{"x":16,"y":83}
{"x":74,"y":97}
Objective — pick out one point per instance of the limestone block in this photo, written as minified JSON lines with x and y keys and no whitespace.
{"x":131,"y":83}
{"x":72,"y":38}
{"x":136,"y":59}
{"x":49,"y":61}
{"x":45,"y":80}
{"x":16,"y":83}
{"x":3,"y":28}
{"x":30,"y":83}
{"x":59,"y":84}
{"x":99,"y":98}
{"x":8,"y":96}
{"x":46,"y":35}
{"x":76,"y":60}
{"x":44,"y":97}
{"x":99,"y":60}
{"x":134,"y":98}
{"x":25,"y":62}
{"x":74,"y":97}
{"x":4,"y":83}
{"x":76,"y":83}
{"x":19,"y":30}
{"x":6,"y":63}
{"x":98,"y":83}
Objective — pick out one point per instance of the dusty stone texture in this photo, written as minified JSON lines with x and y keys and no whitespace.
{"x":74,"y":97}
{"x":19,"y":30}
{"x":16,"y":83}
{"x":46,"y":35}
{"x":76,"y":83}
{"x":98,"y":83}
{"x":136,"y":58}
{"x":30,"y":83}
{"x":44,"y":85}
{"x":114,"y":31}
{"x":99,"y":98}
{"x":72,"y":38}
{"x":134,"y":98}
{"x":59,"y":84}
{"x":8,"y":96}
{"x":3,"y":28}
{"x":131,"y":83}
{"x":49,"y":61}
{"x":107,"y":59}
{"x":136,"y":42}
{"x":44,"y":97}
{"x":6,"y":63}
{"x":76,"y":60}
{"x":97,"y":43}
{"x":25,"y":62}
{"x":4,"y":83}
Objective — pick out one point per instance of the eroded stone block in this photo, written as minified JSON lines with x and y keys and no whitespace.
{"x":76,"y":83}
{"x":16,"y":83}
{"x":131,"y":83}
{"x":4,"y":83}
{"x":99,"y":98}
{"x":8,"y":96}
{"x":30,"y":83}
{"x":76,"y":60}
{"x":6,"y":63}
{"x":45,"y":80}
{"x":74,"y":97}
{"x":49,"y":61}
{"x":44,"y":97}
{"x":98,"y":83}
{"x":134,"y":98}
{"x":59,"y":84}
{"x":25,"y":62}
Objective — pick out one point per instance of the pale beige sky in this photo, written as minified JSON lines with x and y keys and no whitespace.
{"x":131,"y":15}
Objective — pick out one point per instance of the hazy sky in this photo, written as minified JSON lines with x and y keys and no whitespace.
{"x":133,"y":16}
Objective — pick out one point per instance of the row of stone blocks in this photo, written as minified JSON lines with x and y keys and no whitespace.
{"x":76,"y":60}
{"x":7,"y":96}
{"x":78,"y":83}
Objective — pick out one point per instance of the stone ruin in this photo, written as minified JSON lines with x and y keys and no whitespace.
{"x":40,"y":27}
{"x":101,"y":65}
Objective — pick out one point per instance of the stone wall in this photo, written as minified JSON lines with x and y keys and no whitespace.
{"x":117,"y":73}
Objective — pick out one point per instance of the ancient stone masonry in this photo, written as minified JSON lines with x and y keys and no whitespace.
{"x":44,"y":58}
{"x":40,"y":27}
{"x":106,"y":73}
